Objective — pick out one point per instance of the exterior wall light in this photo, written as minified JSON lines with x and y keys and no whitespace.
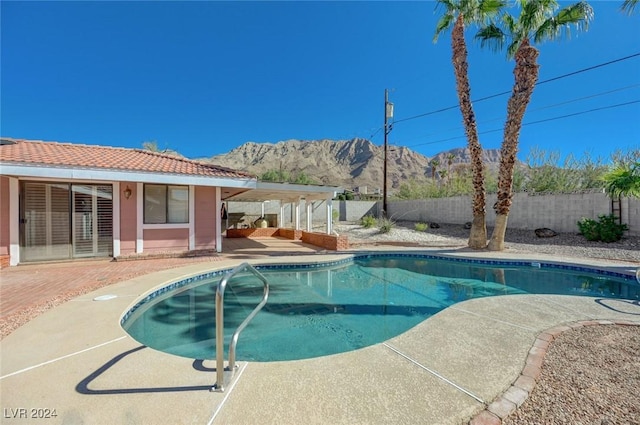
{"x":127,"y":192}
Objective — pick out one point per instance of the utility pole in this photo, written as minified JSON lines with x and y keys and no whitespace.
{"x":388,"y":114}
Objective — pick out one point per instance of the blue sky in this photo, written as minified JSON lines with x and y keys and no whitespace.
{"x":205,"y":77}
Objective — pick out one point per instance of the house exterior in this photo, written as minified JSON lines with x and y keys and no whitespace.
{"x":62,"y":201}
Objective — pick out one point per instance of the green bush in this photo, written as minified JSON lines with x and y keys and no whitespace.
{"x":368,"y":221}
{"x":589,"y":229}
{"x":421,"y":227}
{"x":605,"y":229}
{"x":385,"y":225}
{"x":335,"y":214}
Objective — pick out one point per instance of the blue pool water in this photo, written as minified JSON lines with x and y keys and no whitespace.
{"x":318,"y":311}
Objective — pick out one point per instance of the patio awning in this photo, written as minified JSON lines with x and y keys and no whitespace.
{"x":285,"y":192}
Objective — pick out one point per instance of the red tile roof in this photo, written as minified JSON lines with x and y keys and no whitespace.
{"x":71,"y":155}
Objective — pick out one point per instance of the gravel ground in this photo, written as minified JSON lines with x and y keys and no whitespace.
{"x":590,"y":375}
{"x":516,"y":240}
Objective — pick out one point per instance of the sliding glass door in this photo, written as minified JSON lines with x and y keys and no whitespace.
{"x":61,"y":220}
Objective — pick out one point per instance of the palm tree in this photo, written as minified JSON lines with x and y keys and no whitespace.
{"x":444,"y":174}
{"x":461,"y":13}
{"x":623,"y":180}
{"x":628,"y":6}
{"x":450,"y":158}
{"x":538,"y":21}
{"x":434,"y":168}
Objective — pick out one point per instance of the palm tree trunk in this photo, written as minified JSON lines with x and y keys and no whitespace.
{"x":478,"y":234}
{"x":525,"y":78}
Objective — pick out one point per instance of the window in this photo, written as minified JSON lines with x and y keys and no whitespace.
{"x":166,"y":204}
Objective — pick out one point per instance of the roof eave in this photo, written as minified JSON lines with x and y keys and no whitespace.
{"x":100,"y":174}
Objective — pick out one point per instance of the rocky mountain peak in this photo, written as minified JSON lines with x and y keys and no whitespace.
{"x":345,"y":163}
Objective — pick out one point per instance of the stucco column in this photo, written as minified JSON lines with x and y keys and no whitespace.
{"x":281,"y":218}
{"x":329,"y":216}
{"x":139,"y":218}
{"x":14,"y":220}
{"x":297,"y":214}
{"x":309,"y":204}
{"x":192,"y":217}
{"x":218,"y":217}
{"x":115,"y":218}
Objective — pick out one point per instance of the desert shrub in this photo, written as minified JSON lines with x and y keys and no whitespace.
{"x":368,"y":221}
{"x":588,"y":228}
{"x":421,"y":227}
{"x":282,"y":176}
{"x":385,"y":225}
{"x":605,"y":229}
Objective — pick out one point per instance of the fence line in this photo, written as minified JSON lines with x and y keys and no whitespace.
{"x":559,"y":212}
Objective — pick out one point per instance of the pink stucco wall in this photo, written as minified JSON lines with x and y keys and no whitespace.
{"x":128,"y":219}
{"x":205,"y":217}
{"x":166,"y":240}
{"x":154,"y":240}
{"x":4,"y":216}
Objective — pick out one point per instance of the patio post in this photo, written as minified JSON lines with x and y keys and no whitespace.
{"x":329,"y":215}
{"x":281,"y":218}
{"x":309,"y":204}
{"x":297,"y":214}
{"x":218,"y":223}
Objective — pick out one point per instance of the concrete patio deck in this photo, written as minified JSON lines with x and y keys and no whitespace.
{"x":76,"y":360}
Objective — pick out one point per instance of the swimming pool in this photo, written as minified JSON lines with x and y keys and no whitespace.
{"x":321,"y":309}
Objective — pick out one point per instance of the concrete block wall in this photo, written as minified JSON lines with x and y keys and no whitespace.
{"x":355,"y":210}
{"x":443,"y":210}
{"x":631,"y":214}
{"x":559,"y":212}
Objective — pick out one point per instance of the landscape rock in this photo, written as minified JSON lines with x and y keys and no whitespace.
{"x":545,"y":232}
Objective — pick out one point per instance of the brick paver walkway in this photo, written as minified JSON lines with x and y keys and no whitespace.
{"x":28,"y":290}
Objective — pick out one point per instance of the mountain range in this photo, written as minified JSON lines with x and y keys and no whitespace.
{"x":350,"y":164}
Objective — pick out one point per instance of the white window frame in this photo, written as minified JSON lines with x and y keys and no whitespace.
{"x":166,"y":224}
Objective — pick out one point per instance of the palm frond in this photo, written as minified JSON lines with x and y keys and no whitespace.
{"x":578,"y":15}
{"x":447,"y":5}
{"x":491,"y":7}
{"x":509,"y":23}
{"x":444,"y":23}
{"x":623,"y":180}
{"x":491,"y":36}
{"x":489,"y":10}
{"x":628,"y":6}
{"x":534,"y":13}
{"x":513,"y":47}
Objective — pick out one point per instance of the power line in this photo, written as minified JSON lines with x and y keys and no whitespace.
{"x":532,"y":110}
{"x":583,"y":112}
{"x":531,"y":123}
{"x":591,"y":68}
{"x":633,"y":86}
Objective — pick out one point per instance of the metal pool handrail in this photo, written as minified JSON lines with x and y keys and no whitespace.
{"x":219,"y":385}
